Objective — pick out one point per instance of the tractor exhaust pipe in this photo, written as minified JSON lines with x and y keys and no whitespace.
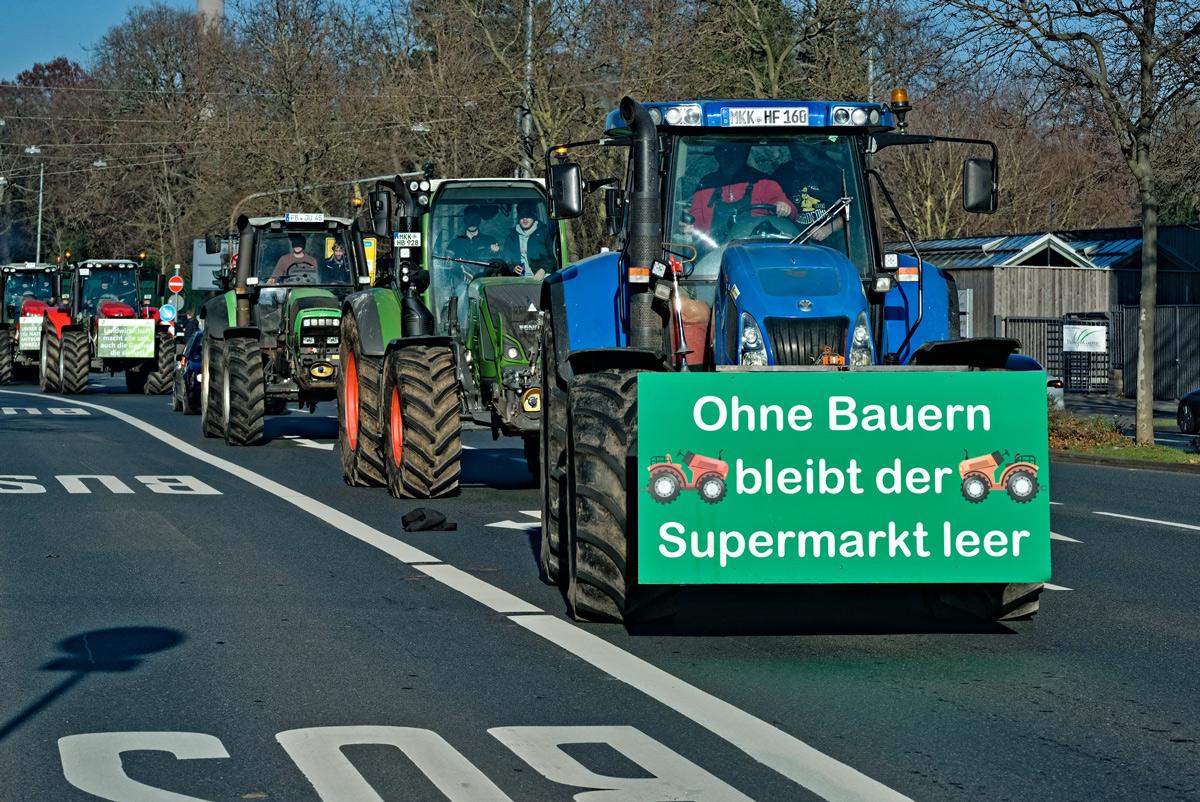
{"x":644,"y":245}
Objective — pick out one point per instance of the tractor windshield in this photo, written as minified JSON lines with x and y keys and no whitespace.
{"x":19,"y":286}
{"x":734,"y":189}
{"x":292,"y":257}
{"x":109,"y":284}
{"x":496,"y":229}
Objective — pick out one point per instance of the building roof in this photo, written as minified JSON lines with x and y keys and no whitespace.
{"x":1110,"y":248}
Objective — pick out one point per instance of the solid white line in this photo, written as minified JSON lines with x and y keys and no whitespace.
{"x":489,"y":595}
{"x":1193,"y":527}
{"x":1056,"y":503}
{"x":1064,"y":538}
{"x":768,"y":745}
{"x":1048,"y":586}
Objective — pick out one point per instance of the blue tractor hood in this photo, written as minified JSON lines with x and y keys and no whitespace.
{"x":771,"y":280}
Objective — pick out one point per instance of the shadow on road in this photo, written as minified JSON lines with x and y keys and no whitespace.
{"x":103,"y":650}
{"x":499,"y":468}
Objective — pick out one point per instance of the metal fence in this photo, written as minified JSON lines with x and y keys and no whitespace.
{"x":1176,"y":350}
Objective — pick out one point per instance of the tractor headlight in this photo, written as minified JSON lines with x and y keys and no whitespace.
{"x":861,"y":350}
{"x":308,"y":340}
{"x":331,"y":340}
{"x":752,"y":349}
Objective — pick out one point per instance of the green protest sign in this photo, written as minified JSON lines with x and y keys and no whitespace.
{"x":842,"y":477}
{"x":125,"y":338}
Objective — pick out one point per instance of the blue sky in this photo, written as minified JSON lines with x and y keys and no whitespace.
{"x":42,"y":30}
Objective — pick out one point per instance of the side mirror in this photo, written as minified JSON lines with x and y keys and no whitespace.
{"x":566,"y":191}
{"x":614,"y":210}
{"x":212,"y":243}
{"x":980,"y":186}
{"x":381,"y":213}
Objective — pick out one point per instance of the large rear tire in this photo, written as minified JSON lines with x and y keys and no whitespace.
{"x":7,"y":355}
{"x":49,"y":366}
{"x":76,"y":361}
{"x":602,"y":497}
{"x":211,"y":388}
{"x":554,"y":459}
{"x":422,"y":433}
{"x":244,"y":392}
{"x":158,"y":379}
{"x":360,"y":430}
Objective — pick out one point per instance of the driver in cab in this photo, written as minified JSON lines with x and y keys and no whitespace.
{"x":733,"y":191}
{"x":296,"y":256}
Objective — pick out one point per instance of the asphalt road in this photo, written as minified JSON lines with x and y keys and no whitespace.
{"x":231,"y":624}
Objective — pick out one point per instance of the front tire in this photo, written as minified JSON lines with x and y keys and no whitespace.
{"x":422,"y":433}
{"x":360,"y":435}
{"x":74,"y":362}
{"x":211,"y":389}
{"x":243,"y":392}
{"x":48,"y":363}
{"x":6,"y":356}
{"x":602,"y":533}
{"x":711,"y":488}
{"x":158,"y":374}
{"x":1186,"y":417}
{"x":1021,"y":486}
{"x":553,"y":436}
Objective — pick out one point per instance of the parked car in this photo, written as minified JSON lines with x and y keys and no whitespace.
{"x":185,"y":396}
{"x":1054,"y":384}
{"x":1188,"y":414}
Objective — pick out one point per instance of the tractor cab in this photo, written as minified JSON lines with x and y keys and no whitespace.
{"x":106,"y":288}
{"x":767,"y":221}
{"x":26,"y":290}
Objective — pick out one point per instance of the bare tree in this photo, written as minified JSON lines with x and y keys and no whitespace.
{"x":1137,"y":59}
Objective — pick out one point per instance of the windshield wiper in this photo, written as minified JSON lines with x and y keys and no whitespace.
{"x":842,"y":204}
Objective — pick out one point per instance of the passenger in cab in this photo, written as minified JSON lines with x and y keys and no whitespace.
{"x":734,"y":190}
{"x":529,"y":247}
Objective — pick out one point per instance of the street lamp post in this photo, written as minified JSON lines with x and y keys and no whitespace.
{"x":34,"y":150}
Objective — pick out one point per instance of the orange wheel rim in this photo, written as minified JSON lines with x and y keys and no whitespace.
{"x":351,"y":378}
{"x":397,"y":428}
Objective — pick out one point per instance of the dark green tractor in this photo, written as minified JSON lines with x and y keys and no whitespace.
{"x":273,"y":337}
{"x":448,"y":334}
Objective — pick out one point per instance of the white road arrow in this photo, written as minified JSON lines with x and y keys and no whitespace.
{"x":301,"y":441}
{"x":524,"y":526}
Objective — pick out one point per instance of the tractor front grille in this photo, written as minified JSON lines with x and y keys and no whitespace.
{"x":801,"y":341}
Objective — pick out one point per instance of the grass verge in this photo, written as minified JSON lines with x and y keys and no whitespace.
{"x":1102,"y":437}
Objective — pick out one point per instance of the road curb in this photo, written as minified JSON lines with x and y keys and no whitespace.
{"x":1122,"y":462}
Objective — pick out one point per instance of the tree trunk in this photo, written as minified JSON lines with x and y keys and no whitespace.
{"x":1149,"y":300}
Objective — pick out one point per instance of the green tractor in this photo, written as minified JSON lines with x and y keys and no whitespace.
{"x":448,"y":334}
{"x":273,"y":337}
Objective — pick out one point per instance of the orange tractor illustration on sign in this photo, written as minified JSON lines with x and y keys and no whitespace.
{"x":667,"y":478}
{"x":979,"y":476}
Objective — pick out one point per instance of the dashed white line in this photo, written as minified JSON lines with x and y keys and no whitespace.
{"x":1192,"y":527}
{"x":1048,"y":586}
{"x":763,"y":742}
{"x":1064,"y":538}
{"x":1056,"y":503}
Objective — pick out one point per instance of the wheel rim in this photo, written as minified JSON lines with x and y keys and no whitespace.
{"x":711,"y":489}
{"x":1021,"y":485}
{"x":1185,"y":418}
{"x":351,"y":378}
{"x":974,"y":488}
{"x":663,"y":486}
{"x":396,"y":430}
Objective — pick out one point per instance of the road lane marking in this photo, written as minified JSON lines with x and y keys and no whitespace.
{"x":524,"y":526}
{"x":305,"y":442}
{"x":472,"y":586}
{"x":1056,"y":503}
{"x":763,"y":742}
{"x":1064,"y":538}
{"x":1193,"y":527}
{"x":768,"y":745}
{"x":1048,"y":586}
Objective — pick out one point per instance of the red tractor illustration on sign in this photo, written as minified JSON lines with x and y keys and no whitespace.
{"x":979,"y":476}
{"x":708,"y":477}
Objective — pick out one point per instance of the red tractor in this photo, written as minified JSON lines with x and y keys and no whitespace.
{"x":26,"y":291}
{"x":979,"y":476}
{"x":104,"y":325}
{"x":708,"y":477}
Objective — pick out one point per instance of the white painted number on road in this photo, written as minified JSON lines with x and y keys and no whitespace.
{"x":92,"y":762}
{"x":673,"y":776}
{"x":317,"y":751}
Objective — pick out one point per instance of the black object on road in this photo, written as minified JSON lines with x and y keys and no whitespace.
{"x":424,"y":519}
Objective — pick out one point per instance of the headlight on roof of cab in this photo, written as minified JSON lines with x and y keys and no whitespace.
{"x":841,"y":116}
{"x":858,"y":117}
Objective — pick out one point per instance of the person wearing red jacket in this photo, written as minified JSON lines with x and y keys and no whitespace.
{"x":728,"y":194}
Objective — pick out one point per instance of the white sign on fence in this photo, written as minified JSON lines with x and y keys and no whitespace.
{"x":1085,"y":339}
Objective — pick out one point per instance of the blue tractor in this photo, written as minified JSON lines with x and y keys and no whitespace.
{"x":749,"y":239}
